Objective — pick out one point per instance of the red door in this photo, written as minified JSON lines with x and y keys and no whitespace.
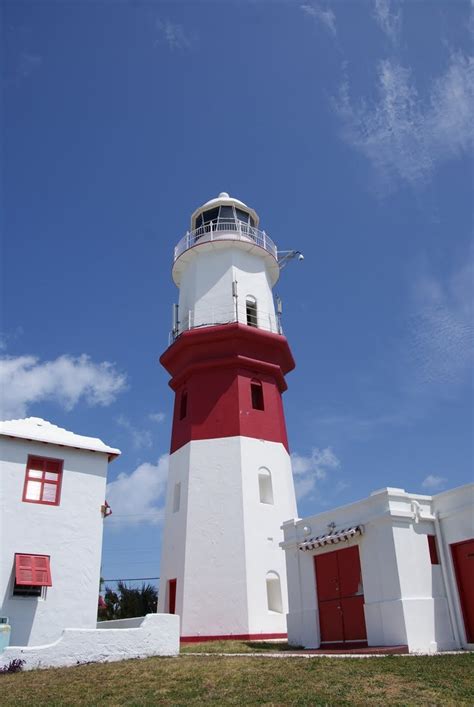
{"x":172,"y":596}
{"x":463,"y":559}
{"x":340,"y":596}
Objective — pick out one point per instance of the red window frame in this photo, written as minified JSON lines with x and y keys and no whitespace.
{"x":32,"y":570}
{"x":49,"y":466}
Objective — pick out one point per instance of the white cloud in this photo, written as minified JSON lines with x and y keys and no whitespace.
{"x":389,"y":22}
{"x":173,"y":34}
{"x":157,"y":417}
{"x":403,"y":136}
{"x":442,"y":337}
{"x":307,"y":470}
{"x":24,"y":380}
{"x":325,"y":17}
{"x":140,"y":437}
{"x":138,"y":497}
{"x":432,"y":482}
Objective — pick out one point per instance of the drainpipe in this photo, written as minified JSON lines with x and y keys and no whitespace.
{"x":447,"y":585}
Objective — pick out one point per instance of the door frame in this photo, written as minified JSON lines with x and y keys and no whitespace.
{"x":359,"y":642}
{"x":458,"y":593}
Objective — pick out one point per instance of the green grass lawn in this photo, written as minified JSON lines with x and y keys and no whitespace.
{"x":197,"y":680}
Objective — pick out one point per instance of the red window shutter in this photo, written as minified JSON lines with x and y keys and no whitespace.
{"x":33,"y":570}
{"x":24,"y":569}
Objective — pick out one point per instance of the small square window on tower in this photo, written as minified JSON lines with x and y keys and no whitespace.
{"x":43,"y":480}
{"x":256,"y":391}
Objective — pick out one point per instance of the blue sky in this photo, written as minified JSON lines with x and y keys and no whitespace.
{"x":348,"y":126}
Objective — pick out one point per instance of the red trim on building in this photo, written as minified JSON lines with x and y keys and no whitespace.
{"x":463,"y":560}
{"x":234,"y":637}
{"x":215,"y":366}
{"x":172,"y":596}
{"x":433,"y":548}
{"x":32,"y":570}
{"x":51,"y":474}
{"x":227,"y":339}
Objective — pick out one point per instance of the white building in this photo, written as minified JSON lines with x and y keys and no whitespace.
{"x":52,"y":495}
{"x":394,"y":569}
{"x":230,"y":484}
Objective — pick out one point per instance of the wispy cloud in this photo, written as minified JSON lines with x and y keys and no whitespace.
{"x":324,"y":17}
{"x":24,"y":380}
{"x":432,"y":482}
{"x":173,"y":34}
{"x":403,"y":136}
{"x":138,"y":497}
{"x":28,"y":63}
{"x":388,"y":21}
{"x":362,"y":428}
{"x":141,"y":438}
{"x":308,"y":470}
{"x":441,"y":352}
{"x":157,"y":417}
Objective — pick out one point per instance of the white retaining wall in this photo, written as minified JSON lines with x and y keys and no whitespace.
{"x":157,"y":635}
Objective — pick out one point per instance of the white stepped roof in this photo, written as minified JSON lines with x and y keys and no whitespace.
{"x":34,"y":428}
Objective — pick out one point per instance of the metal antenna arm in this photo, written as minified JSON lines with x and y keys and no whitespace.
{"x":284,"y":257}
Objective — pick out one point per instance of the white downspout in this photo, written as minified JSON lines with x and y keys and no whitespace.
{"x":447,"y":585}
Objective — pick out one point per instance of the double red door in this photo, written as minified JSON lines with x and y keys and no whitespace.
{"x":463,"y":559}
{"x":340,"y":596}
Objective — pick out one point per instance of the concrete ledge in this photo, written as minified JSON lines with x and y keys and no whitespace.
{"x":157,"y":635}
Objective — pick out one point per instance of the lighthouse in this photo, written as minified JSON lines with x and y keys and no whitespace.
{"x":230,"y":484}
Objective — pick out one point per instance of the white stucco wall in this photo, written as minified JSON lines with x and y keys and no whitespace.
{"x":223,"y":541}
{"x":158,"y":634}
{"x":71,"y":534}
{"x":405,"y":595}
{"x":206,"y":285}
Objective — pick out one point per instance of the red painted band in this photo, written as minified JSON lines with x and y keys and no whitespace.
{"x":225,"y":340}
{"x":213,"y":368}
{"x":234,"y":637}
{"x":236,"y":361}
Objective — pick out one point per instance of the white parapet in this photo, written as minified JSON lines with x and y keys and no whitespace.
{"x":158,"y":635}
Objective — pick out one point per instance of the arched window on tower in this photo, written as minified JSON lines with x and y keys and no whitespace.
{"x":274,"y":600}
{"x":183,"y":405}
{"x":251,"y":310}
{"x":265,"y":485}
{"x":256,"y":391}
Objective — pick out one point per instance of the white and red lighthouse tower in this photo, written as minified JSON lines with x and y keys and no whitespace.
{"x":230,"y":485}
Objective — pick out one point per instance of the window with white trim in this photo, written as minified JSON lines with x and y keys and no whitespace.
{"x":251,"y":310}
{"x":43,"y":480}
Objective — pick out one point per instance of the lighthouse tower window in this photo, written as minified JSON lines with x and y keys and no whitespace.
{"x":265,"y":486}
{"x":222,"y":216}
{"x":183,"y":405}
{"x":251,"y":311}
{"x":274,"y":593}
{"x":256,"y":392}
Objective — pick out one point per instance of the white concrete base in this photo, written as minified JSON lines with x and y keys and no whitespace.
{"x":157,"y":635}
